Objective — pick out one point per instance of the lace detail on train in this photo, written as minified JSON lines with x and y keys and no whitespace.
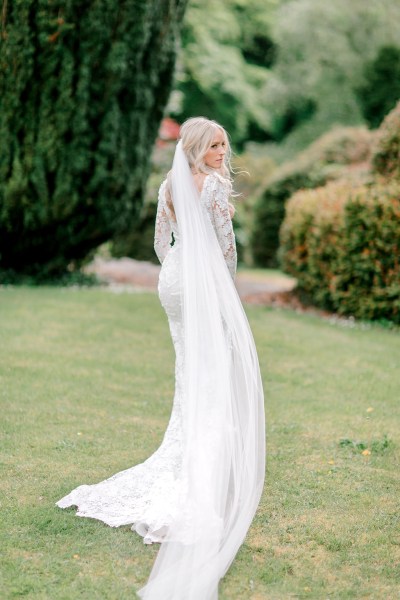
{"x":147,"y":495}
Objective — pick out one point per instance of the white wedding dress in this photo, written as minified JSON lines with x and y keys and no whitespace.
{"x":147,"y":494}
{"x":198,"y":492}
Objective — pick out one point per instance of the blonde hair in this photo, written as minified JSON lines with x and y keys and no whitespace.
{"x":197,"y":135}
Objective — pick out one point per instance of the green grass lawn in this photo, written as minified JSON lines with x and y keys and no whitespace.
{"x":86,"y":384}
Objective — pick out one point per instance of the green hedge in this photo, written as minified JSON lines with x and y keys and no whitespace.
{"x":83,"y":87}
{"x":328,"y":158}
{"x":342,"y":243}
{"x":386,"y":157}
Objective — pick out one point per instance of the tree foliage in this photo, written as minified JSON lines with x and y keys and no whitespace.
{"x":226,"y":54}
{"x":381,"y":90}
{"x":82,"y":88}
{"x":322,"y":52}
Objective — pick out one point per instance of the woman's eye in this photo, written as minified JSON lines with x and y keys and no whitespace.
{"x":214,"y":146}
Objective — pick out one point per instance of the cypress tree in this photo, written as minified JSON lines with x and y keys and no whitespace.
{"x":83,"y":84}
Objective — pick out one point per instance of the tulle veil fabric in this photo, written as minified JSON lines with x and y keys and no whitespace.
{"x":223,"y":414}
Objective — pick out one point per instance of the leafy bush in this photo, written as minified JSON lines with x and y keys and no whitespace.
{"x":342,"y":243}
{"x":330,"y":157}
{"x":386,"y":158}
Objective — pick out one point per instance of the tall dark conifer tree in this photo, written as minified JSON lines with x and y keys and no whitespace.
{"x":83,"y":84}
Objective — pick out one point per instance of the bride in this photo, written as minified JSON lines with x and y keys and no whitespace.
{"x":197,"y":494}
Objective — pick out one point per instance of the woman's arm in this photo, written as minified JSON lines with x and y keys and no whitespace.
{"x":223,"y":225}
{"x":162,"y":233}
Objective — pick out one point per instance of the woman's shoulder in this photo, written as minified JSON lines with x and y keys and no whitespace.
{"x":199,"y":180}
{"x":162,"y":188}
{"x":216,"y":181}
{"x":209,"y":182}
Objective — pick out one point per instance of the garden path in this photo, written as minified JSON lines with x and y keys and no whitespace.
{"x":254,"y":287}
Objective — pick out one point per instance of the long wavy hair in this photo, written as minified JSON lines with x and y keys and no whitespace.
{"x":197,"y":135}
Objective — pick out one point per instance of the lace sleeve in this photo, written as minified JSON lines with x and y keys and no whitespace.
{"x":162,"y":233}
{"x":223,"y":224}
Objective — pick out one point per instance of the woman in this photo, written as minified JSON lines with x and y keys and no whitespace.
{"x":197,"y":494}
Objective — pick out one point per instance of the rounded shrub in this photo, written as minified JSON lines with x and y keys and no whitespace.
{"x":331,"y":157}
{"x":342,"y":243}
{"x":386,"y":157}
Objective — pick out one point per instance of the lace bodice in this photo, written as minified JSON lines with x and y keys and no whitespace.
{"x":214,"y":198}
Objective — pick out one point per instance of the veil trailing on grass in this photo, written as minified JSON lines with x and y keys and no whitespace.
{"x":223,"y":414}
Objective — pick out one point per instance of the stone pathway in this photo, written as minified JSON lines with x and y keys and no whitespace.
{"x":127,"y":273}
{"x":254,"y":286}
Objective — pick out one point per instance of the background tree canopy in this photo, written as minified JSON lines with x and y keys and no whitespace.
{"x":286,"y":70}
{"x":322,"y":52}
{"x":83,"y":88}
{"x":224,"y":64}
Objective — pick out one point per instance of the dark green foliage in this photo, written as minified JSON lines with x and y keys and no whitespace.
{"x":82,"y":90}
{"x":382,"y":88}
{"x":324,"y":160}
{"x":138,"y":241}
{"x":68,"y":278}
{"x":386,"y":158}
{"x":270,"y":209}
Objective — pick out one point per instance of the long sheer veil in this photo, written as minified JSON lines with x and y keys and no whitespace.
{"x":223,"y":414}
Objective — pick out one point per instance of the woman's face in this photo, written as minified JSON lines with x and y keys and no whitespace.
{"x":215,"y":154}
